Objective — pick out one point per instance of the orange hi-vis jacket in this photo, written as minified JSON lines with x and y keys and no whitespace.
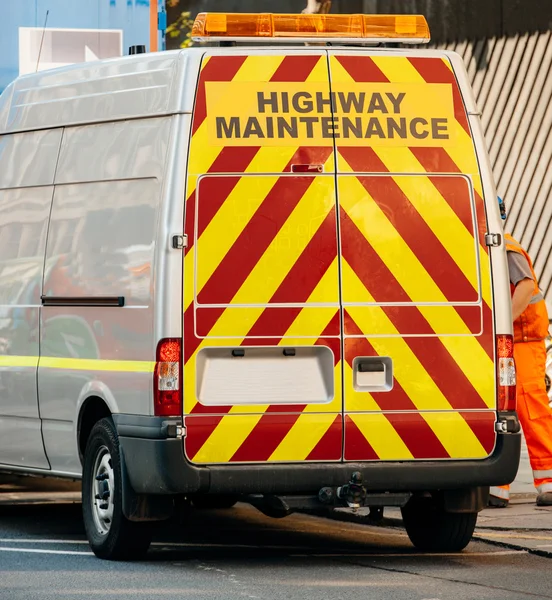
{"x":532,"y":324}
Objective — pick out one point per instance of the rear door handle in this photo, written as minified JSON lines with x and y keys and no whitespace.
{"x":373,"y":374}
{"x":371,"y":367}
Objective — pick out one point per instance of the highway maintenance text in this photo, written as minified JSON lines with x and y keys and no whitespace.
{"x":417,"y":115}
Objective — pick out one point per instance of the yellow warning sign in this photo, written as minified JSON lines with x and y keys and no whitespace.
{"x":284,"y":114}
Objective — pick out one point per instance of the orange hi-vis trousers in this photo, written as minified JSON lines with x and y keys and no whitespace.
{"x":535,"y":414}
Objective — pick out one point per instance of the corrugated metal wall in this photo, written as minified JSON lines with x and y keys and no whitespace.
{"x":512,"y":81}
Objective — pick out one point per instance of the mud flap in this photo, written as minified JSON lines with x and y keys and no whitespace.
{"x":143,"y":507}
{"x":465,"y":501}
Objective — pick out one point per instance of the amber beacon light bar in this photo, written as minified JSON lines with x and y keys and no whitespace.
{"x":405,"y":29}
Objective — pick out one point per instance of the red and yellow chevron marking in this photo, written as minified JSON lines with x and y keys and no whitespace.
{"x":457,"y":158}
{"x":410,"y":239}
{"x":417,"y":436}
{"x":262,"y":269}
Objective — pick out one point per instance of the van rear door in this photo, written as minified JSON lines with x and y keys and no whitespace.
{"x":419,"y":374}
{"x":262,"y":343}
{"x":291,"y":261}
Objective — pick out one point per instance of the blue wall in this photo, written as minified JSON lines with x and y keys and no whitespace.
{"x":132,"y":16}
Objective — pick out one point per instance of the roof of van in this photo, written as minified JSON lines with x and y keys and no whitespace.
{"x":142,"y":85}
{"x":107,"y":90}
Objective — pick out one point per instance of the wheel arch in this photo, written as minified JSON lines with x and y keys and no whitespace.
{"x":92,"y":410}
{"x":95,"y":402}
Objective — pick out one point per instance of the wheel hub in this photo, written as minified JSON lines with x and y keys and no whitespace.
{"x":103,"y":486}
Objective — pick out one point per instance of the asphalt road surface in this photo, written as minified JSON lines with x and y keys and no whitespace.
{"x":239,"y":553}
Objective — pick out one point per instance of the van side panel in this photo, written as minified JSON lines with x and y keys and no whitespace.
{"x":417,"y":292}
{"x":101,"y":243}
{"x":27,"y":166}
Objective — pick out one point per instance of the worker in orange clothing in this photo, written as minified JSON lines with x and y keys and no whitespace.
{"x":530,"y":329}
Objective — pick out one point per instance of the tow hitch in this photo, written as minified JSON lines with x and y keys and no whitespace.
{"x":353,"y":493}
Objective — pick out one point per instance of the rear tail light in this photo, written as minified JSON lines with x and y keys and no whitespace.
{"x":167,"y":378}
{"x":506,"y":373}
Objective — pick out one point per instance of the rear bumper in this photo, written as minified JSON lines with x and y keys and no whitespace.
{"x":156,"y":464}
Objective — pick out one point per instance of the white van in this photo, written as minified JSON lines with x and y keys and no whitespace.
{"x":268,"y":272}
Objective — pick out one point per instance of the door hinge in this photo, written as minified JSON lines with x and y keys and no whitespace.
{"x":493,"y":239}
{"x":180,"y":241}
{"x":174,"y":430}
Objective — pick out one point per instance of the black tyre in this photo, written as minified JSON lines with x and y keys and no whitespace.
{"x":110,"y":534}
{"x":218,"y":501}
{"x":431,"y":529}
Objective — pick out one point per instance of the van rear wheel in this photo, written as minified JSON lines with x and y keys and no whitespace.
{"x":110,"y":534}
{"x":431,"y":529}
